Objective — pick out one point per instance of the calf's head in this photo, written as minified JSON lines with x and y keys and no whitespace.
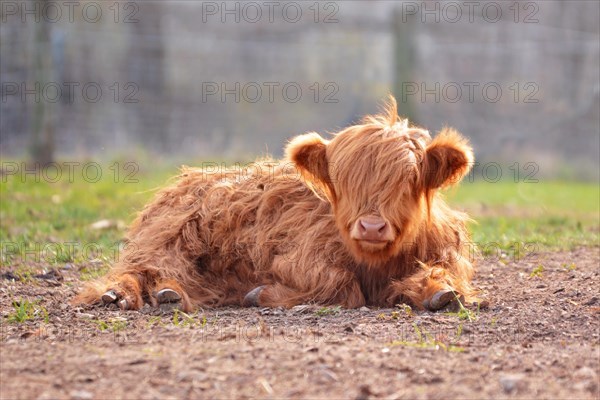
{"x":379,"y":177}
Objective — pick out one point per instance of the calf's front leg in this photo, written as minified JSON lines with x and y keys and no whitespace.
{"x":432,"y":288}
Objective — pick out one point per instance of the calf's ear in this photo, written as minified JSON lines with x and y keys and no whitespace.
{"x":447,"y":160}
{"x":308,"y":152}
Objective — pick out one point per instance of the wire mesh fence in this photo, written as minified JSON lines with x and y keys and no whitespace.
{"x":192,"y":79}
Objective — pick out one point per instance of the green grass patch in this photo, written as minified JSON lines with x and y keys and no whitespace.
{"x":25,"y":310}
{"x":49,"y":221}
{"x":113,"y":325}
{"x":184,"y":320}
{"x":569,"y":266}
{"x":464,"y":313}
{"x":328,"y":311}
{"x":426,"y":341}
{"x":524,"y":218}
{"x":537,"y":272}
{"x":91,"y":273}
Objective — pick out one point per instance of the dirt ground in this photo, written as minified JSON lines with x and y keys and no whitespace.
{"x":537,"y":338}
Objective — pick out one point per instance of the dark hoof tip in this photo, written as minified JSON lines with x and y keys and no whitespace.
{"x":442,"y":299}
{"x":168,"y":296}
{"x":109,"y":297}
{"x":251,"y":299}
{"x":123,"y":305}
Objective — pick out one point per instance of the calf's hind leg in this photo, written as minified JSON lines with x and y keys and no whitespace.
{"x":145,"y":273}
{"x":163,"y":244}
{"x":125,"y":290}
{"x":129,"y":290}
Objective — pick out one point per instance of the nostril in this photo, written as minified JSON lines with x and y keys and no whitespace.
{"x":382,"y":228}
{"x":363,"y":226}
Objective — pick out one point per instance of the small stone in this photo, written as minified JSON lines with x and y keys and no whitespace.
{"x":364,"y":392}
{"x":591,"y":301}
{"x":191,"y":376}
{"x":484,"y":305}
{"x":265,"y":311}
{"x":81,"y":395}
{"x":512,"y":382}
{"x":363,"y":308}
{"x":585,"y":372}
{"x":301,"y":309}
{"x":106,"y":224}
{"x":146,"y":309}
{"x":168,"y":308}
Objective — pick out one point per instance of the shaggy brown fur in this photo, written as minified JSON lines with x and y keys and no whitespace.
{"x":214,"y":236}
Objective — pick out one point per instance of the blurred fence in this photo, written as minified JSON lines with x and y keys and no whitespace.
{"x":191,"y":79}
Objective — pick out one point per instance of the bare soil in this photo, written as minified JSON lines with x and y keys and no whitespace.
{"x":534,"y":337}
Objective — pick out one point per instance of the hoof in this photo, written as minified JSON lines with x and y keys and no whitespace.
{"x":443,"y":298}
{"x":251,"y":299}
{"x":167,"y":296}
{"x":123,"y":305}
{"x":109,"y":297}
{"x":115,"y":299}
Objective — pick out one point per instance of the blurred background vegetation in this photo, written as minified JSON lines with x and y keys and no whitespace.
{"x":135,"y":79}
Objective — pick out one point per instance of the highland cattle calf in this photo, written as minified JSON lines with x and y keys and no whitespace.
{"x":355,"y":220}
